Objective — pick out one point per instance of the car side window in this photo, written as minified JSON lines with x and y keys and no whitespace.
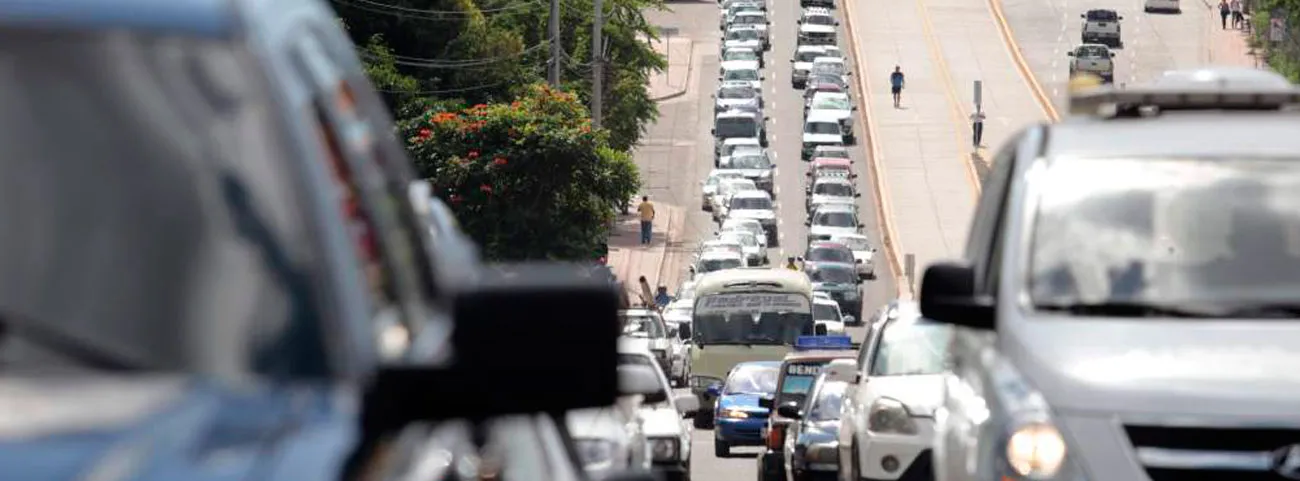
{"x":986,"y":224}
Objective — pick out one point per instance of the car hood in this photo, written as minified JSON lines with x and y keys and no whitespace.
{"x":812,"y":28}
{"x":822,"y":198}
{"x":865,"y":256}
{"x":739,"y":64}
{"x":596,"y":423}
{"x":921,"y":394}
{"x":822,"y":138}
{"x":828,"y":230}
{"x":840,"y":114}
{"x":803,"y":66}
{"x":751,"y":214}
{"x":662,"y":421}
{"x":1169,"y":367}
{"x":169,"y":428}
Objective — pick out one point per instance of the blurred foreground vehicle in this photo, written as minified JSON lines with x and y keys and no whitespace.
{"x":212,"y":267}
{"x":1128,"y":296}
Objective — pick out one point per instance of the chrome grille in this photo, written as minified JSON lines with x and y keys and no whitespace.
{"x":1217,"y":454}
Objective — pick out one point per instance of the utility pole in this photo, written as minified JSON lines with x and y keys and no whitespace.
{"x":556,"y":53}
{"x":597,"y":64}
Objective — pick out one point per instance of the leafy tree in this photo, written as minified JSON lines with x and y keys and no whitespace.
{"x":529,"y":179}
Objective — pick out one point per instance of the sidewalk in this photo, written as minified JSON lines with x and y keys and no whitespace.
{"x":629,"y":260}
{"x":674,"y":80}
{"x":1231,"y":47}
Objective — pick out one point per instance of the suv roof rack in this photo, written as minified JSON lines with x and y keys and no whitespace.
{"x":1198,"y":89}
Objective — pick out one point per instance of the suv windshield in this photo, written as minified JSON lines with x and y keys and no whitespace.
{"x":830,"y":254}
{"x":825,"y":312}
{"x":910,"y":348}
{"x":806,"y":56}
{"x":835,"y":219}
{"x":743,"y":34}
{"x":834,"y":189}
{"x":831,"y":102}
{"x":750,"y":203}
{"x":711,"y":265}
{"x":832,"y":275}
{"x":819,"y":20}
{"x":129,"y":161}
{"x":750,"y":161}
{"x":746,"y":74}
{"x":822,"y":128}
{"x":1092,"y":52}
{"x":729,"y":127}
{"x":1168,"y":232}
{"x":740,"y":54}
{"x":642,"y":326}
{"x":749,"y":20}
{"x":752,"y":379}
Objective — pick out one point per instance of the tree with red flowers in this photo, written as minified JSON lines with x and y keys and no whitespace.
{"x":529,"y":179}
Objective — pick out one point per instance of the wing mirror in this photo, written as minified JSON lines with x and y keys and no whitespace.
{"x":687,"y":404}
{"x":948,"y":295}
{"x":1069,"y":54}
{"x":635,"y":379}
{"x":684,"y":332}
{"x":766,"y":402}
{"x":791,"y":60}
{"x":857,"y":195}
{"x":850,"y":319}
{"x":843,"y":370}
{"x":807,"y":222}
{"x":790,"y":410}
{"x":469,"y":387}
{"x":714,"y":390}
{"x":1083,"y":16}
{"x":1112,"y":55}
{"x":861,"y":225}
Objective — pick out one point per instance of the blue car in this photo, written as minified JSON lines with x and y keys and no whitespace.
{"x":738,"y":416}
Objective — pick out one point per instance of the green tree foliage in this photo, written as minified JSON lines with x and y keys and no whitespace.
{"x":483,"y":51}
{"x":528,"y":179}
{"x":1284,"y":56}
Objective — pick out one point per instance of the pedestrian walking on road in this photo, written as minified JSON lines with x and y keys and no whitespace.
{"x":1224,"y":11}
{"x":647,"y":211}
{"x":977,"y":127}
{"x":1238,"y":19}
{"x":896,"y":82}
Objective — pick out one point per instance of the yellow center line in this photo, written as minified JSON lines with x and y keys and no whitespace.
{"x":959,"y":115}
{"x":1026,"y":74}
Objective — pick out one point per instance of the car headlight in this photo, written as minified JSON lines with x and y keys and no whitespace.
{"x":663,"y":449}
{"x":595,"y":454}
{"x":890,"y":416}
{"x":1036,"y":450}
{"x":733,"y":414}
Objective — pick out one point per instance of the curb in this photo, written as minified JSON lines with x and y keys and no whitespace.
{"x":690,"y":68}
{"x":663,"y":256}
{"x":1009,"y":41}
{"x":884,"y":220}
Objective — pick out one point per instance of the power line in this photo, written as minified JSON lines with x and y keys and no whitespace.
{"x":422,"y":14}
{"x":469,"y":64}
{"x":470,"y":88}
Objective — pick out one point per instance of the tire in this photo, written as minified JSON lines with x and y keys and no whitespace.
{"x":721,"y":449}
{"x":855,"y":468}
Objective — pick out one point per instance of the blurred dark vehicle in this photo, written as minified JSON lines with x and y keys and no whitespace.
{"x":211,"y":266}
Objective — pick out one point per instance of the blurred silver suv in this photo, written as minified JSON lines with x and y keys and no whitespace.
{"x":1130,"y":292}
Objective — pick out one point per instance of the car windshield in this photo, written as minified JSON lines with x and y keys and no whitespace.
{"x":819,"y":20}
{"x":752,"y":379}
{"x":829,"y":68}
{"x":829,"y":401}
{"x":831,"y":102}
{"x":713,"y":265}
{"x":1092,"y":52}
{"x":806,"y":56}
{"x":832,"y":275}
{"x":750,"y":203}
{"x":834,"y":189}
{"x":738,"y":185}
{"x":750,"y":161}
{"x":752,"y":318}
{"x":740,"y":54}
{"x":1102,"y":16}
{"x":642,"y":326}
{"x":714,"y":180}
{"x":1168,"y":232}
{"x":749,"y":20}
{"x":745,"y":239}
{"x":729,"y":127}
{"x":743,"y":34}
{"x":854,"y":243}
{"x":832,"y":81}
{"x":910,"y":348}
{"x":798,"y":380}
{"x":146,"y":178}
{"x":835,"y":219}
{"x":737,"y":93}
{"x":832,"y":153}
{"x":746,"y":74}
{"x":830,"y":254}
{"x":825,"y":312}
{"x":822,"y":128}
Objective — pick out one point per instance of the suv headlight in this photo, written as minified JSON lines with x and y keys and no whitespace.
{"x":890,"y":416}
{"x":595,"y":454}
{"x":1036,"y":450}
{"x":663,"y":449}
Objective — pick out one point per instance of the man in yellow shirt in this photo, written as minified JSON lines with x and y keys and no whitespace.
{"x":647,"y":211}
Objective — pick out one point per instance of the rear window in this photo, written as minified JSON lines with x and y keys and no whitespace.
{"x":1102,"y":16}
{"x":144,"y":176}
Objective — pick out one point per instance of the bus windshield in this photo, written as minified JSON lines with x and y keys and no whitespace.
{"x":752,"y":318}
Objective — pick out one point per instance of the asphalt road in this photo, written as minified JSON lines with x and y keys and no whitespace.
{"x":1153,"y":42}
{"x":678,"y":154}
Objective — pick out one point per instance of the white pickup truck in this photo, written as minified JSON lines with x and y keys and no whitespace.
{"x":1101,"y":26}
{"x":1095,"y":59}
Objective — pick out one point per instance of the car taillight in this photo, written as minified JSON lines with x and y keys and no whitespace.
{"x":774,"y":437}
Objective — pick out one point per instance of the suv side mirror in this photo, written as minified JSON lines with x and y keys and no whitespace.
{"x":687,"y":404}
{"x":684,"y":332}
{"x":790,"y":410}
{"x":766,"y":402}
{"x":469,"y":386}
{"x":856,"y":194}
{"x":714,"y":390}
{"x":948,"y":295}
{"x":637,"y":379}
{"x":1069,"y":54}
{"x":1083,"y":15}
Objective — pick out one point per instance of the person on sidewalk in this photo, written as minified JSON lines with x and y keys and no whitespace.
{"x":1224,"y":11}
{"x":1238,"y":19}
{"x":647,"y":212}
{"x":977,"y":127}
{"x":896,"y":82}
{"x":662,"y":299}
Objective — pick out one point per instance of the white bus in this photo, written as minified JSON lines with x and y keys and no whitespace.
{"x":742,"y":315}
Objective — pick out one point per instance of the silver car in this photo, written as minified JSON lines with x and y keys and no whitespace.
{"x":1128,"y":296}
{"x":738,"y":96}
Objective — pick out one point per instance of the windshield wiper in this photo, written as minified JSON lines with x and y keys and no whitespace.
{"x":1125,"y":309}
{"x":95,"y":356}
